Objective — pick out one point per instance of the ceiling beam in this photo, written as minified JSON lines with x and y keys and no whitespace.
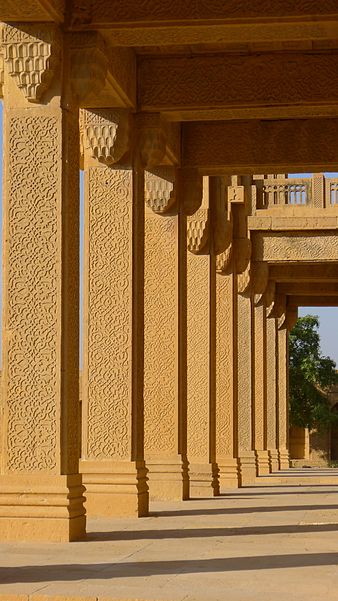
{"x":239,"y":86}
{"x":312,"y":301}
{"x":31,"y":10}
{"x":103,"y":13}
{"x":310,"y":289}
{"x":249,"y":147}
{"x":304,"y":273}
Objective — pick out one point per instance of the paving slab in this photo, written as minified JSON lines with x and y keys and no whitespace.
{"x":269,"y":541}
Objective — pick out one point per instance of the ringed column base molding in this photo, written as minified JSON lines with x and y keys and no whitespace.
{"x":283,"y":459}
{"x":115,"y":488}
{"x":274,"y":460}
{"x":262,"y":463}
{"x":229,"y":472}
{"x":168,"y":479}
{"x":38,"y":507}
{"x":203,"y":479}
{"x":247,"y":468}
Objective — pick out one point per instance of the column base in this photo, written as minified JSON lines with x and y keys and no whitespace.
{"x":168,"y":479}
{"x":115,"y":489}
{"x":273,"y":460}
{"x":228,"y":473}
{"x":45,"y":508}
{"x":247,"y":468}
{"x":284,"y":459}
{"x":262,"y":463}
{"x":203,"y":479}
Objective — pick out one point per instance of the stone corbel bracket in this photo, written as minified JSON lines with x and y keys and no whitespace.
{"x":198,"y":230}
{"x":160,"y":189}
{"x":242,"y":249}
{"x":106,"y":134}
{"x":269,"y":294}
{"x":158,"y":141}
{"x":89,"y":65}
{"x":190,"y":186}
{"x":277,"y":307}
{"x":254,"y":279}
{"x":291,"y":318}
{"x":224,"y":261}
{"x":32,"y":56}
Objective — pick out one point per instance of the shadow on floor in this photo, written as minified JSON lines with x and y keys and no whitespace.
{"x":240,"y":510}
{"x":105,"y":571}
{"x":208,"y":532}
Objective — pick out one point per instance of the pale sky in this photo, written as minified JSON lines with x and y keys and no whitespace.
{"x":328,"y":316}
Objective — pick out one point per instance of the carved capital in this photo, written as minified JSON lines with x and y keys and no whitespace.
{"x":291,"y":318}
{"x":244,"y":281}
{"x":190,"y":184}
{"x":242,"y":253}
{"x":269,"y":293}
{"x":89,"y":65}
{"x":277,"y":307}
{"x":224,"y":261}
{"x":198,"y":232}
{"x":260,"y":277}
{"x":32,"y":55}
{"x":106,"y":133}
{"x":151,"y":140}
{"x":160,"y":189}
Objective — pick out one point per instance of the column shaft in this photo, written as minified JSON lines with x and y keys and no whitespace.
{"x":225,"y":389}
{"x":112,"y":462}
{"x":260,"y":391}
{"x":283,"y":401}
{"x":41,"y":496}
{"x":272,"y":383}
{"x":245,"y":453}
{"x":165,"y":363}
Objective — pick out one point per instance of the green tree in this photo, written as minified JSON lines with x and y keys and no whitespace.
{"x":311,"y":375}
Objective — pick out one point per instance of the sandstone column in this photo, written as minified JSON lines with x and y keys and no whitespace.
{"x":283,"y":401}
{"x":272,"y":383}
{"x":41,"y":496}
{"x":245,"y":365}
{"x":165,"y":336}
{"x":201,"y":272}
{"x":112,"y":461}
{"x":260,"y":391}
{"x":226,"y":359}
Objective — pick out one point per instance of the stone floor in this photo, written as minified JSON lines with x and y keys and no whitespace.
{"x":276,"y":541}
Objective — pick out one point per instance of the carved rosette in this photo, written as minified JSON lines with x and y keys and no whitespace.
{"x":107,"y":134}
{"x":198,"y":232}
{"x":160,"y":189}
{"x":32,"y":55}
{"x":224,"y":261}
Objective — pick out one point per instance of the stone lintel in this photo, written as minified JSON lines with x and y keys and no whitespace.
{"x":230,"y":82}
{"x":166,"y":13}
{"x":308,"y":289}
{"x":289,"y":219}
{"x":305,"y":145}
{"x":304,"y":272}
{"x":298,"y":247}
{"x":32,"y":10}
{"x":312,"y":301}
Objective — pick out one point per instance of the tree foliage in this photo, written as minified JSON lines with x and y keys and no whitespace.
{"x":311,"y":375}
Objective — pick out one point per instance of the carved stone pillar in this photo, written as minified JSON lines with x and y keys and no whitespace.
{"x":41,"y":495}
{"x":244,"y":377}
{"x":226,"y":358}
{"x":260,"y":391}
{"x":283,"y":400}
{"x":165,"y":336}
{"x":272,"y":383}
{"x":112,"y":463}
{"x":201,"y":271}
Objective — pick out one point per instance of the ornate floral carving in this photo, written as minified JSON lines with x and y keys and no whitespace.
{"x":160,"y":189}
{"x":33,"y":263}
{"x":32,"y":54}
{"x":107,"y":133}
{"x":198,"y":232}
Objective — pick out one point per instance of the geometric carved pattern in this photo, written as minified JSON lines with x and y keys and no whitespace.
{"x":33,"y":264}
{"x":224,"y":261}
{"x":109,"y":313}
{"x":107,"y":132}
{"x":160,"y":189}
{"x":32,"y":55}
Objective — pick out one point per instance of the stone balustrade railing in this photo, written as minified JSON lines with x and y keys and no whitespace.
{"x":318,"y":192}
